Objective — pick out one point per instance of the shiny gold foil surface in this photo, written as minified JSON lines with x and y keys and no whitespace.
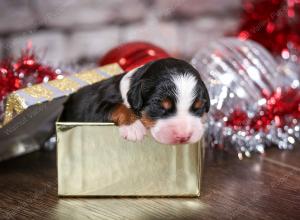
{"x":20,"y":100}
{"x":14,"y":106}
{"x":93,"y":160}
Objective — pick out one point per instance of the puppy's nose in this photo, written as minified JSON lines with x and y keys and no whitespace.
{"x":183,"y":138}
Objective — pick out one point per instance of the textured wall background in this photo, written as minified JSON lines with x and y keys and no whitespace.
{"x":72,"y":31}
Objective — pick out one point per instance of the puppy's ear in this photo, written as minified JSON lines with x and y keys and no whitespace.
{"x":206,"y":97}
{"x":135,"y":93}
{"x":135,"y":97}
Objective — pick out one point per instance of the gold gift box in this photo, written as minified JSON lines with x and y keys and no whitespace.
{"x":93,"y":160}
{"x":31,"y":112}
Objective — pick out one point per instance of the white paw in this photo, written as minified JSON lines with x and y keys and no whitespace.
{"x":134,"y":132}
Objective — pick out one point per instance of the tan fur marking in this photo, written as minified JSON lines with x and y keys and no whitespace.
{"x":123,"y":115}
{"x":197,"y":104}
{"x":166,"y":104}
{"x":146,"y":121}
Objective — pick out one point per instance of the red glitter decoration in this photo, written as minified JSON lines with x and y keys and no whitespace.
{"x":274,"y":24}
{"x":133,"y":54}
{"x":281,"y":106}
{"x":26,"y":70}
{"x":237,"y":119}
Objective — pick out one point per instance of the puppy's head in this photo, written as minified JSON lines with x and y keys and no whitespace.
{"x":170,"y":98}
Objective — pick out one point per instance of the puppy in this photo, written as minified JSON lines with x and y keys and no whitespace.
{"x":166,"y":96}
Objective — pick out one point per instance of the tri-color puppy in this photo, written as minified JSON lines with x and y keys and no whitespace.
{"x":166,"y":96}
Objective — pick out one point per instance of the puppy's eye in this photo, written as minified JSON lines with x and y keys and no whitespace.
{"x":197,"y":104}
{"x":166,"y":104}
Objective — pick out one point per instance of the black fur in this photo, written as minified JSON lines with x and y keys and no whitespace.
{"x":93,"y":103}
{"x":149,"y":85}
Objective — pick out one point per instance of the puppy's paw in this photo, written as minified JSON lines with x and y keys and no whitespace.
{"x":134,"y":132}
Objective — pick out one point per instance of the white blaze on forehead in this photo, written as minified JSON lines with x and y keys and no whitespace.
{"x":185,"y":89}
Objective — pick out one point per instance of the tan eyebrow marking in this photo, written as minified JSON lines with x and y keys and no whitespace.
{"x":166,"y":104}
{"x":198,"y":104}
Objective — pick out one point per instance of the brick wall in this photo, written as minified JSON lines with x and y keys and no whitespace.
{"x":68,"y":31}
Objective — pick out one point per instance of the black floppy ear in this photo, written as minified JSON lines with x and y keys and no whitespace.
{"x":135,"y":93}
{"x":206,"y":97}
{"x":135,"y":97}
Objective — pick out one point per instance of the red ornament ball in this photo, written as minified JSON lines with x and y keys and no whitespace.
{"x":133,"y":54}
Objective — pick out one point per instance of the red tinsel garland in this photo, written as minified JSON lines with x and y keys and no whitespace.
{"x":25,"y":71}
{"x":274,"y":24}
